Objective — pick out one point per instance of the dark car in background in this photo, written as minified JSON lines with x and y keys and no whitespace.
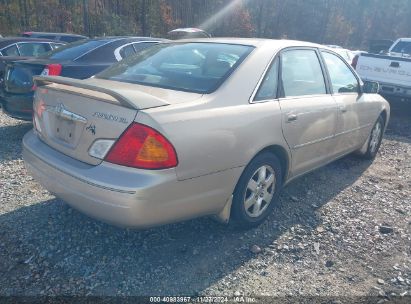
{"x":80,"y":60}
{"x":55,"y":36}
{"x":19,"y":48}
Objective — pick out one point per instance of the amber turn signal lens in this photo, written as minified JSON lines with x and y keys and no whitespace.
{"x":152,"y":151}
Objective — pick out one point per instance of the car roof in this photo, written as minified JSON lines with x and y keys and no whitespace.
{"x":256,"y":42}
{"x":108,"y":38}
{"x":10,"y":40}
{"x":405,"y":39}
{"x":51,"y":33}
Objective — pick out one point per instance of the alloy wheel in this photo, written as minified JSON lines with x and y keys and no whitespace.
{"x":260,"y":191}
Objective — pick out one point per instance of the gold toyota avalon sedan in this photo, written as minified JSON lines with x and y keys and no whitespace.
{"x":199,"y":127}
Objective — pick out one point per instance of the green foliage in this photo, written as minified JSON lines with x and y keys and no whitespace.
{"x":346,"y":22}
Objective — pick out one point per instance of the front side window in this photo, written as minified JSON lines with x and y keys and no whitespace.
{"x":191,"y":67}
{"x":33,"y":49}
{"x":268,"y":87}
{"x":301,"y":73}
{"x":342,"y":78}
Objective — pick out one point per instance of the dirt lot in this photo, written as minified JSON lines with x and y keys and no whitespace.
{"x":343,"y":230}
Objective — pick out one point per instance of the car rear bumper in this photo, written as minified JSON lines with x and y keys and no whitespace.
{"x":125,"y":196}
{"x":18,"y":106}
{"x":395,"y":90}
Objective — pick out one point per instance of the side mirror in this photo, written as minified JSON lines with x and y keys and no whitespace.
{"x":371,"y":87}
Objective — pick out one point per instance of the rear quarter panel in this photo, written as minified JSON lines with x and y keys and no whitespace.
{"x":369,"y":107}
{"x":213,"y":140}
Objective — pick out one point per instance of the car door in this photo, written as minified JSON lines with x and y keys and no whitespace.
{"x":309,"y":112}
{"x":352,"y":120}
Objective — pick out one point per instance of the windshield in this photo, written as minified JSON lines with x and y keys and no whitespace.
{"x":73,"y":50}
{"x":191,"y":67}
{"x":402,"y":47}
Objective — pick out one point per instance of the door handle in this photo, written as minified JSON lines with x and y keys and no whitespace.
{"x":343,"y":109}
{"x":292,"y":117}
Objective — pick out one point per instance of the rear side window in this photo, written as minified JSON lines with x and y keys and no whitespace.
{"x":103,"y":54}
{"x":33,"y":49}
{"x":143,"y":45}
{"x":56,"y":45}
{"x":11,"y":51}
{"x":126,"y":51}
{"x":301,"y":73}
{"x":74,"y":50}
{"x":268,"y":87}
{"x":342,"y":78}
{"x":191,"y":67}
{"x":70,"y":38}
{"x":134,"y":48}
{"x":402,"y":47}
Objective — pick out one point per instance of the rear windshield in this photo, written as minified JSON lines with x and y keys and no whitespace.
{"x":402,"y":47}
{"x":73,"y":50}
{"x":191,"y":67}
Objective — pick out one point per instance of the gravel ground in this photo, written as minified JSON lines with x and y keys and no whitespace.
{"x":343,"y":230}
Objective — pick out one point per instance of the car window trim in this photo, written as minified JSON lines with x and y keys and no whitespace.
{"x":280,"y":90}
{"x":304,"y":96}
{"x":117,"y":50}
{"x":5,"y":47}
{"x":347,"y":65}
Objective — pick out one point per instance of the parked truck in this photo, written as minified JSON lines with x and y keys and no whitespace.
{"x":391,"y":70}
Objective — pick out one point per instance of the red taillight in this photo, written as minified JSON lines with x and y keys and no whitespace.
{"x":142,"y":147}
{"x":355,"y":61}
{"x":53,"y":69}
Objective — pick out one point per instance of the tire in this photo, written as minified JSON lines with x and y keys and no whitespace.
{"x":258,"y":188}
{"x":374,"y":139}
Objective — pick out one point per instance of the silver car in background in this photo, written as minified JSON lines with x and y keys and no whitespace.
{"x":199,"y":127}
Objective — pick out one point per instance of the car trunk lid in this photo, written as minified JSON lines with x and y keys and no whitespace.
{"x":18,"y":76}
{"x":71,"y":115}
